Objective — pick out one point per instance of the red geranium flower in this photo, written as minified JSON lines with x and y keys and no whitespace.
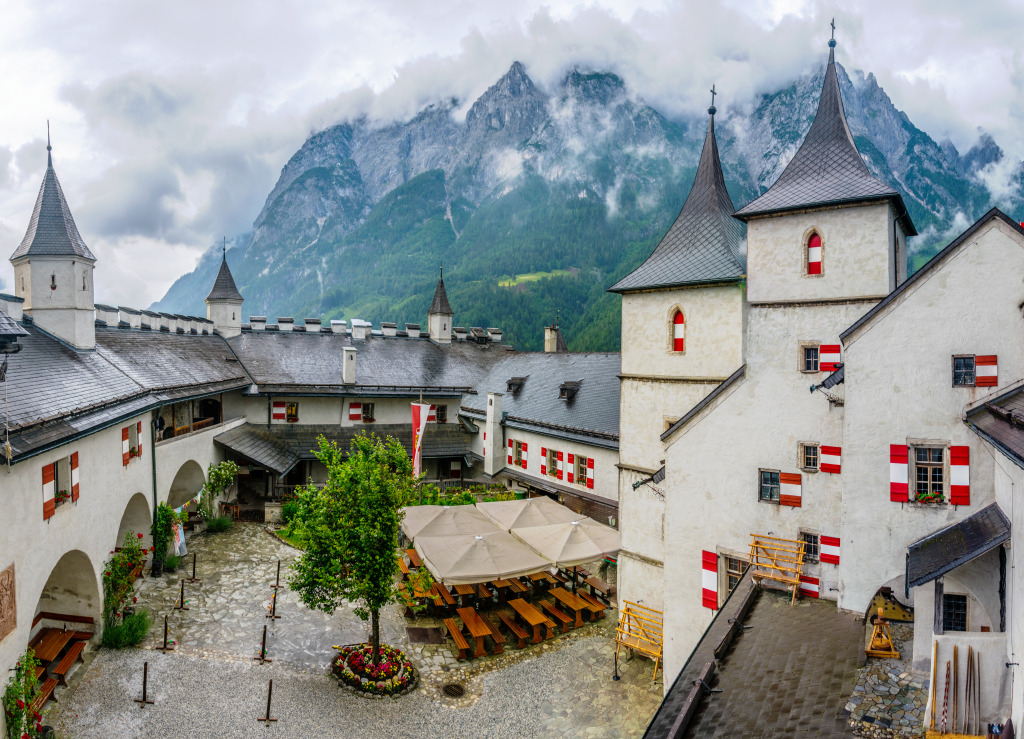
{"x":140,"y":536}
{"x":21,"y":703}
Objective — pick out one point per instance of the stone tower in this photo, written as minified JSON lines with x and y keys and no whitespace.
{"x":53,"y":268}
{"x":439,"y":317}
{"x":224,"y":303}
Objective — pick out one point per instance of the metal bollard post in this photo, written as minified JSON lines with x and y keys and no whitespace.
{"x":168,"y":646}
{"x":144,"y":701}
{"x":267,"y":719}
{"x":181,"y":605}
{"x":194,"y":578}
{"x":262,"y":657}
{"x":277,"y":582}
{"x":273,"y":607}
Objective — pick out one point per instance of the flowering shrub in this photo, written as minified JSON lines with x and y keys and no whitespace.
{"x":354,"y":666}
{"x":119,"y":577}
{"x":23,"y":722}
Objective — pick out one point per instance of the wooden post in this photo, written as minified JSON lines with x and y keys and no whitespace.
{"x":181,"y":605}
{"x":273,"y":606}
{"x":262,"y":657}
{"x":166,"y":647}
{"x":267,"y":719}
{"x":277,"y":582}
{"x":144,"y":701}
{"x":193,"y":578}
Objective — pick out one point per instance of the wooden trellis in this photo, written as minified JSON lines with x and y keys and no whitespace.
{"x":640,"y":629}
{"x":776,"y":559}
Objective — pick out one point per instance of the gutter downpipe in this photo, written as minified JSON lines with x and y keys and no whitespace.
{"x":152,"y":454}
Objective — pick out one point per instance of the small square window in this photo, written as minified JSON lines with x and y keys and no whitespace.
{"x":809,"y":457}
{"x":809,"y":355}
{"x":811,"y":546}
{"x":441,"y":414}
{"x":929,"y":473}
{"x":552,"y":463}
{"x":954,"y":612}
{"x":517,"y":456}
{"x":580,"y":473}
{"x":291,"y":413}
{"x":734,"y":568}
{"x":768,"y":490}
{"x":963,"y":371}
{"x":368,"y":413}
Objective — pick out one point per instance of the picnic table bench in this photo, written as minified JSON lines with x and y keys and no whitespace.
{"x":557,"y":614}
{"x":460,"y":641}
{"x":499,"y":640}
{"x":45,"y":694}
{"x":73,"y":655}
{"x":517,"y":631}
{"x":595,"y":606}
{"x":464,"y":592}
{"x":402,"y":566}
{"x":443,"y":592}
{"x":516,"y":587}
{"x":572,"y":602}
{"x":597,"y":585}
{"x":478,"y":628}
{"x":414,"y":558}
{"x":52,"y":644}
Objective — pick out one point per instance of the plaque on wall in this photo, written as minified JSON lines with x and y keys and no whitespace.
{"x":8,"y":605}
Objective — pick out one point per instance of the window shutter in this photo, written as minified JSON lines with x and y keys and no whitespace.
{"x":570,"y":467}
{"x":831,"y":459}
{"x":789,"y":489}
{"x":355,"y":411}
{"x":590,"y":472}
{"x":814,"y":255}
{"x":561,"y":466}
{"x":49,"y":490}
{"x":709,"y":580}
{"x":524,"y":456}
{"x":483,"y":448}
{"x":960,"y":475}
{"x":986,"y":371}
{"x":543,"y":460}
{"x":809,"y":586}
{"x":510,"y":451}
{"x":124,"y":447}
{"x":829,"y":550}
{"x":678,"y":332}
{"x":279,"y":413}
{"x":898,"y":487}
{"x":432,"y":414}
{"x":829,"y":357}
{"x":74,"y":476}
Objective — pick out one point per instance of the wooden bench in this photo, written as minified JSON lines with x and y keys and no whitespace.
{"x":402,"y":566}
{"x":74,"y":655}
{"x":83,"y":635}
{"x":517,"y":630}
{"x":483,"y":591}
{"x":456,"y":634}
{"x":499,"y":640}
{"x":45,"y":694}
{"x":40,"y":671}
{"x":567,"y":621}
{"x":596,"y":607}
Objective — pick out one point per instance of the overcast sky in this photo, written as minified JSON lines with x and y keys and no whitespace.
{"x":171,"y":121}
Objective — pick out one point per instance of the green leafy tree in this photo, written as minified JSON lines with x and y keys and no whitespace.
{"x":351,"y":529}
{"x":219,"y":478}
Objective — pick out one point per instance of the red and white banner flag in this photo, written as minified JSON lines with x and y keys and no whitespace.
{"x":420,"y":414}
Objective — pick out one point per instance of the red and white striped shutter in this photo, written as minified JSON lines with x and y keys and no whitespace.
{"x":561,"y":465}
{"x":831,"y":459}
{"x":138,"y":438}
{"x":829,"y":550}
{"x":278,"y":413}
{"x":510,"y":449}
{"x":960,"y":475}
{"x":809,"y":586}
{"x":898,"y":475}
{"x":570,"y":467}
{"x":49,"y":490}
{"x":829,"y":357}
{"x":432,"y":414}
{"x":524,"y":456}
{"x":74,"y":476}
{"x":789,"y":489}
{"x":355,"y":412}
{"x":590,"y":472}
{"x":124,"y":447}
{"x":814,"y":255}
{"x":986,"y":371}
{"x":543,"y":461}
{"x":483,"y":449}
{"x":679,"y":332}
{"x":709,"y":580}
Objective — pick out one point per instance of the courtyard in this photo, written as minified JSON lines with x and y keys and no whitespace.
{"x":210,"y":685}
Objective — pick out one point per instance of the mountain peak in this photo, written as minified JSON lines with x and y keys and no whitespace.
{"x":599,"y":86}
{"x":513,"y":102}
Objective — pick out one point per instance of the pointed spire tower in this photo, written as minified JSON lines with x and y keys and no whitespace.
{"x":439,"y":317}
{"x":53,"y":267}
{"x":224,"y":303}
{"x":703,"y":244}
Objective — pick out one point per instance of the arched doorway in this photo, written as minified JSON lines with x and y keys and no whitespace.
{"x":137,"y":518}
{"x":188,"y":481}
{"x":71,"y":594}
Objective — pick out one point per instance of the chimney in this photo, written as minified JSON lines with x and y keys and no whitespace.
{"x":494,"y":443}
{"x":348,"y":368}
{"x":130,"y":316}
{"x":258,"y":323}
{"x":494,"y":334}
{"x":285,"y":324}
{"x":108,"y":314}
{"x":312,"y":325}
{"x":413,"y":329}
{"x":553,"y":339}
{"x":12,"y":306}
{"x":167,"y":322}
{"x":389,"y":329}
{"x":339,"y":327}
{"x":361,"y":328}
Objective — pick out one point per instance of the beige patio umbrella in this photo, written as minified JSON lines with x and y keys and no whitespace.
{"x":514,"y":514}
{"x":463,"y":560}
{"x":435,"y":520}
{"x":574,"y":543}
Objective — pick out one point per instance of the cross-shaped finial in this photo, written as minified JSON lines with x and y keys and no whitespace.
{"x":713,"y":93}
{"x":833,"y":24}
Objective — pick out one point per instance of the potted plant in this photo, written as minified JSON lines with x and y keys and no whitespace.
{"x":162,"y":530}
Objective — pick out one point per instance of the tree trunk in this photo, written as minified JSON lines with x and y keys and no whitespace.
{"x":375,"y":619}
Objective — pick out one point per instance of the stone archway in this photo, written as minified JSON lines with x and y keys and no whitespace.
{"x":71,"y":594}
{"x":137,"y":518}
{"x":188,"y":481}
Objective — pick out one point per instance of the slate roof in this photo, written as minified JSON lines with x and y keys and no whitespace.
{"x":440,"y":302}
{"x":945,"y":550}
{"x":827,"y":169}
{"x":224,"y":286}
{"x":1001,"y":422}
{"x":593,"y":414}
{"x":703,"y":244}
{"x":9,"y":328}
{"x":259,"y":446}
{"x":52,"y":230}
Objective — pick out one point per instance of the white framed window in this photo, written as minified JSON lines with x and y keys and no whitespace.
{"x":812,"y":545}
{"x":769,"y":486}
{"x":809,"y":358}
{"x":551,"y":463}
{"x":929,"y":473}
{"x":580,"y":471}
{"x":809,"y":456}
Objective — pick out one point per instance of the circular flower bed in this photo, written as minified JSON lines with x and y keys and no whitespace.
{"x":393,"y":675}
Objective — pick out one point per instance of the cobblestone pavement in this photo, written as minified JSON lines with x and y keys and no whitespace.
{"x":888,"y":698}
{"x":210,"y":686}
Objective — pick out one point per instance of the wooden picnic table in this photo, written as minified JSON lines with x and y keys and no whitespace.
{"x":533,"y":618}
{"x":52,"y":644}
{"x":597,"y":585}
{"x":502,"y":587}
{"x":402,"y":566}
{"x":573,"y":603}
{"x":446,"y":596}
{"x":464,"y":592}
{"x":414,"y":558}
{"x":477,"y":628}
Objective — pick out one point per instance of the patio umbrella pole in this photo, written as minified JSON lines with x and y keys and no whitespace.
{"x":574,"y":579}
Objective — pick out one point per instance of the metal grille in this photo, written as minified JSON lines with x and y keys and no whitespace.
{"x":454,"y":690}
{"x":954,"y":612}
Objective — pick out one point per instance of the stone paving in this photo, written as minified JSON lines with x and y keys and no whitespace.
{"x":210,"y":686}
{"x":889,"y":699}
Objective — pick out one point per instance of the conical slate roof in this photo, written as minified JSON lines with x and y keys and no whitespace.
{"x":440,"y":303}
{"x":52,"y":230}
{"x":224,"y":286}
{"x":703,"y":245}
{"x":827,"y":169}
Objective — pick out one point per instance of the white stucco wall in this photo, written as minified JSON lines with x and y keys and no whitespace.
{"x":605,"y":472}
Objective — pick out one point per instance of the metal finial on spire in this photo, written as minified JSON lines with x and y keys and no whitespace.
{"x":48,"y":147}
{"x":224,"y":248}
{"x":712,"y":110}
{"x":832,"y":41}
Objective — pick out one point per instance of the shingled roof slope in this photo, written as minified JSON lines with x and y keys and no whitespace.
{"x":440,"y":302}
{"x":827,"y":169}
{"x":703,"y":244}
{"x":224,"y":286}
{"x":52,"y":230}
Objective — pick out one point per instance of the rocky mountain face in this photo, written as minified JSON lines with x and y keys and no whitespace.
{"x":539,"y":200}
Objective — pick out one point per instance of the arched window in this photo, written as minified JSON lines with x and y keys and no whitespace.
{"x":678,"y":332}
{"x":814,"y":255}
